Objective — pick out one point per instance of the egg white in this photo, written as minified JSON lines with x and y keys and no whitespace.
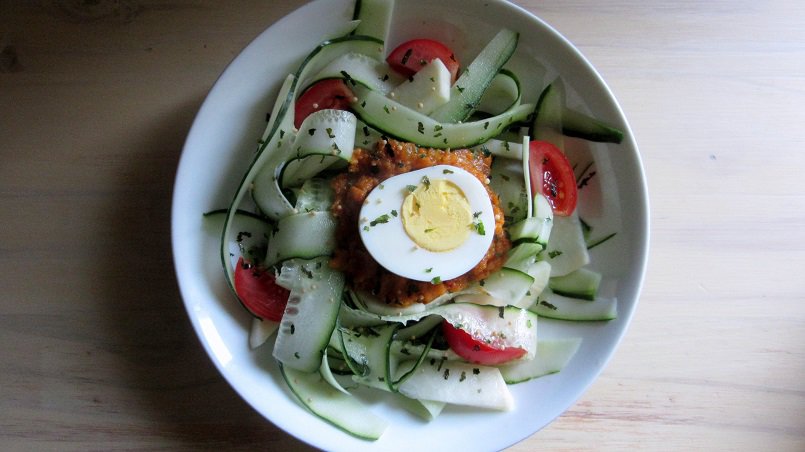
{"x":392,"y":248}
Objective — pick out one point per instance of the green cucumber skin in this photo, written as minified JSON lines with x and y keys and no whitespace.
{"x":579,"y":125}
{"x":477,"y":77}
{"x":582,"y":283}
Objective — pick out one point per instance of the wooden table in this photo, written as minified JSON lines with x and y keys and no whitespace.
{"x":96,"y":99}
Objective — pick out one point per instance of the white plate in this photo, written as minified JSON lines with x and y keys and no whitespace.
{"x":222,"y":141}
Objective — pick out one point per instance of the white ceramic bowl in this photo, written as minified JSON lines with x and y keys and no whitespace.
{"x":220,"y":145}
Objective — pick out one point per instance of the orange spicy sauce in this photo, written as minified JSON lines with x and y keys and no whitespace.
{"x":367,"y":169}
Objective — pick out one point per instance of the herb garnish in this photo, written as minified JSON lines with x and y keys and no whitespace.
{"x":380,"y":220}
{"x":406,"y":56}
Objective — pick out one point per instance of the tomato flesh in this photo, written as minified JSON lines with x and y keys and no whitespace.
{"x":476,"y":351}
{"x":259,"y":292}
{"x":325,"y":94}
{"x":552,"y":176}
{"x":409,"y":57}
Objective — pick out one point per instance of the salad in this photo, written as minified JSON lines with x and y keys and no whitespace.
{"x":406,"y":222}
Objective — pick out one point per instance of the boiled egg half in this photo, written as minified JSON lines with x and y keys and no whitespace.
{"x":431,"y":224}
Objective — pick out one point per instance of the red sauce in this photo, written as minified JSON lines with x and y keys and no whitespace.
{"x":367,"y":169}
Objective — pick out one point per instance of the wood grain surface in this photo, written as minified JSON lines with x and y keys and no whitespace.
{"x":96,"y":98}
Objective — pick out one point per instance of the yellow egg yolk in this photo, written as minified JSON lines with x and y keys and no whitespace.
{"x":437,"y":215}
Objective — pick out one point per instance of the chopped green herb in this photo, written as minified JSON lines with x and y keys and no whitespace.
{"x":393,"y":213}
{"x":406,"y":55}
{"x":420,"y":127}
{"x":426,"y":182}
{"x":330,"y":132}
{"x":386,"y":109}
{"x":311,"y":131}
{"x":447,"y":171}
{"x":436,"y":280}
{"x":410,"y":188}
{"x":554,"y":254}
{"x":547,"y":305}
{"x":429,"y":269}
{"x":379,"y":220}
{"x":348,"y":78}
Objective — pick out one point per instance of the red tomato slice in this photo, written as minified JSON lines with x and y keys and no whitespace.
{"x":259,"y":292}
{"x":552,"y":176}
{"x":330,"y":93}
{"x":409,"y":57}
{"x":476,"y":351}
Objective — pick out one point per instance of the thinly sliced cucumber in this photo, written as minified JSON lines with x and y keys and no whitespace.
{"x":566,"y":251}
{"x":507,"y":286}
{"x":525,"y":231}
{"x":502,"y":148}
{"x":373,"y":344}
{"x":580,"y":125}
{"x":358,"y":67}
{"x":309,"y":317}
{"x":553,"y":306}
{"x":352,"y":318}
{"x":418,"y":329}
{"x":544,"y":212}
{"x":297,"y":170}
{"x":459,"y":383}
{"x":339,"y":409}
{"x":261,"y":330}
{"x":416,"y":311}
{"x":426,"y":90}
{"x":316,"y":195}
{"x":366,"y":137}
{"x":327,"y":374}
{"x":303,"y":235}
{"x":470,"y":87}
{"x":506,"y":179}
{"x":582,"y":283}
{"x":374,"y":17}
{"x":398,"y":121}
{"x":483,"y":322}
{"x":325,"y":132}
{"x":541,"y":272}
{"x":547,"y":120}
{"x":552,"y":356}
{"x":522,"y":256}
{"x":527,"y":188}
{"x":248,"y":234}
{"x":502,"y":94}
{"x":354,"y":349}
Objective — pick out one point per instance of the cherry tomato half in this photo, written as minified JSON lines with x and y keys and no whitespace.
{"x":476,"y":351}
{"x":552,"y":176}
{"x":409,"y":57}
{"x":324,"y":94}
{"x":259,"y":292}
